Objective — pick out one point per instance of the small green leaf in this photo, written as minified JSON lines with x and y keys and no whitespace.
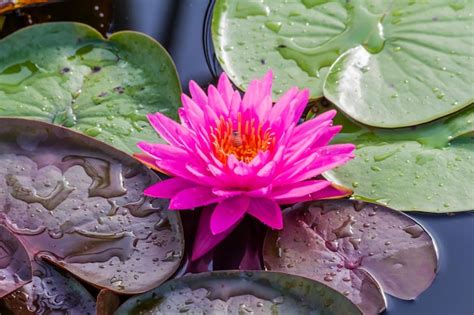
{"x":424,"y":168}
{"x":68,"y":74}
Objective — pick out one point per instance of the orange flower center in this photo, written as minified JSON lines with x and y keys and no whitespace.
{"x":244,"y":139}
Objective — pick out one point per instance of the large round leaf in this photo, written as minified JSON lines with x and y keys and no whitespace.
{"x":423,"y":72}
{"x":15,"y":267}
{"x":50,"y":292}
{"x":236,"y":292}
{"x":346,"y":244}
{"x":78,"y":202}
{"x":403,"y":62}
{"x":68,"y":74}
{"x":425,"y":168}
{"x":249,"y":35}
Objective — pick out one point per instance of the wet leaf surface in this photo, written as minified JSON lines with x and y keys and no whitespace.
{"x":50,"y":292}
{"x":353,"y":247}
{"x":236,"y":292}
{"x":72,"y":76}
{"x":392,"y":63}
{"x":79,"y":203}
{"x":15,"y":267}
{"x":425,"y":168}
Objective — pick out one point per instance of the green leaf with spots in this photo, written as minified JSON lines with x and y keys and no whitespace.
{"x":424,"y":168}
{"x":68,"y":74}
{"x":392,"y":63}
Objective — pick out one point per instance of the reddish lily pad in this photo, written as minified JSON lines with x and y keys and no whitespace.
{"x":79,"y":203}
{"x":107,"y":302}
{"x":50,"y":292}
{"x":237,"y":292}
{"x":15,"y":267}
{"x":348,"y":244}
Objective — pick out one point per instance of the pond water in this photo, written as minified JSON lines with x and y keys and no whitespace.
{"x":182,"y":26}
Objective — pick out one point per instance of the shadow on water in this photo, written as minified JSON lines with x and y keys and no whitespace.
{"x":183,"y":27}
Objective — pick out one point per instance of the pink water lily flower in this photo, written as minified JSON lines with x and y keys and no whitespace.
{"x":243,"y":155}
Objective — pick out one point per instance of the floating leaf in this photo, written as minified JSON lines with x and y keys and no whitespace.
{"x":403,"y":62}
{"x":424,"y":168}
{"x":68,"y":74}
{"x":347,"y":243}
{"x":15,"y":267}
{"x":236,"y":292}
{"x":107,"y":302}
{"x":50,"y":292}
{"x":79,"y":203}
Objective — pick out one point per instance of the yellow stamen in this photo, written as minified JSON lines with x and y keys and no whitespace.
{"x":244,"y":140}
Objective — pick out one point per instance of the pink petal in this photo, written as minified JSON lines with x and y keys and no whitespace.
{"x":168,"y":188}
{"x":205,"y":240}
{"x":227,"y":213}
{"x":194,"y":113}
{"x":162,"y":151}
{"x":319,"y":161}
{"x":225,"y":88}
{"x":216,"y":102}
{"x":198,"y":95}
{"x":235,"y":105}
{"x":299,"y":189}
{"x":168,"y":129}
{"x":303,"y":98}
{"x":310,"y":126}
{"x":192,"y":198}
{"x":281,"y":104}
{"x":326,"y":136}
{"x":147,"y":160}
{"x":330,"y":192}
{"x":256,"y":92}
{"x":176,"y":168}
{"x":267,"y":211}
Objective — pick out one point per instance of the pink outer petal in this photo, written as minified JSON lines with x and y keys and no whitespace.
{"x":205,"y":240}
{"x":198,"y":95}
{"x":192,"y":198}
{"x":168,"y":129}
{"x":310,"y":126}
{"x":225,"y":88}
{"x":300,"y":189}
{"x":227,"y":213}
{"x":148,"y":161}
{"x":330,"y":192}
{"x":168,"y":188}
{"x":162,"y":151}
{"x":267,"y":211}
{"x":216,"y":102}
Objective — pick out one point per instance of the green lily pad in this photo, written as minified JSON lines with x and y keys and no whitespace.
{"x":394,"y":63}
{"x":237,"y":292}
{"x":424,"y":168}
{"x":68,"y":74}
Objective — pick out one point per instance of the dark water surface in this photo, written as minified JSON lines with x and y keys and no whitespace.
{"x":182,"y":27}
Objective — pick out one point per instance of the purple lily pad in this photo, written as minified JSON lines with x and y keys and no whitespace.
{"x":240,"y":292}
{"x":78,"y":202}
{"x":15,"y":267}
{"x":356,"y":248}
{"x":50,"y":292}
